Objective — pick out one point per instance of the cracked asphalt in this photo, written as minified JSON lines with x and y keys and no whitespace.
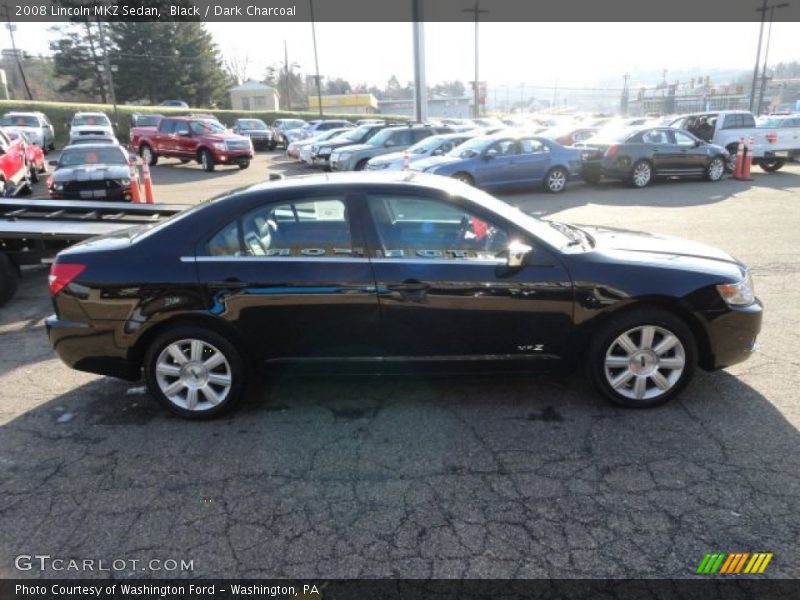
{"x":422,"y":476}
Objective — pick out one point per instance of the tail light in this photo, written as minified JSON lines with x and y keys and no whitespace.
{"x":62,"y":274}
{"x":612,"y":151}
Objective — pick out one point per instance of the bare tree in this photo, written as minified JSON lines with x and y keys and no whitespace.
{"x":238,"y":68}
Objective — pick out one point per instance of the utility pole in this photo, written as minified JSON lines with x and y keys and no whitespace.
{"x":623,"y":103}
{"x":286,"y":75}
{"x":316,"y":61}
{"x":555,"y":95}
{"x":763,"y":11}
{"x":476,"y":11}
{"x":766,"y":55}
{"x":107,"y":66}
{"x":11,"y":28}
{"x":420,"y":83}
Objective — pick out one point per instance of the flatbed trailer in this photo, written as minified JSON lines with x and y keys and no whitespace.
{"x":34,"y":231}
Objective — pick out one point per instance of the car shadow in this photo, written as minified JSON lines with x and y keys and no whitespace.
{"x":350,"y":461}
{"x":24,"y":312}
{"x":671,"y":193}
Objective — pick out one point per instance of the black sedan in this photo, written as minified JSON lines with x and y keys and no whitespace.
{"x":378,"y":269}
{"x":95,"y":170}
{"x":640,"y":155}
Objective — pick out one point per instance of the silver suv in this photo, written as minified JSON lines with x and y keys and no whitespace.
{"x":35,"y":124}
{"x":391,"y":139}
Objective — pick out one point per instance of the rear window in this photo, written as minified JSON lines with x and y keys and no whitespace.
{"x":101,"y":120}
{"x":739,"y":121}
{"x":19,"y":121}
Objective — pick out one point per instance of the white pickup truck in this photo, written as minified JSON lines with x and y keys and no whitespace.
{"x":771,"y":147}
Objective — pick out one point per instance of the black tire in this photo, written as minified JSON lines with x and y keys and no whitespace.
{"x":635,"y":180}
{"x":244,"y":164}
{"x":34,"y":173}
{"x":206,"y":159}
{"x":464,"y":178}
{"x":238,"y":373}
{"x":730,"y":164}
{"x":272,"y":146}
{"x":556,"y":180}
{"x":604,"y":341}
{"x":26,"y":187}
{"x":153,"y":156}
{"x":770,"y":165}
{"x":715,"y":169}
{"x":9,"y":279}
{"x":361,"y":165}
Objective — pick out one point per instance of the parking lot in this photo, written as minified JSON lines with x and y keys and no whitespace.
{"x":411,"y":476}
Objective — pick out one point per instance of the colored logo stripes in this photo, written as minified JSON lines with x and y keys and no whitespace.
{"x":734,"y":563}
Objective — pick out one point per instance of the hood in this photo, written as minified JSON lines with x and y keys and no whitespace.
{"x":657,"y":247}
{"x":225,"y":136}
{"x":91,"y":173}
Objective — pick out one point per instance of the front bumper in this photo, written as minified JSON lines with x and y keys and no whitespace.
{"x":232,"y":157}
{"x":121,"y":194}
{"x":732,"y":335}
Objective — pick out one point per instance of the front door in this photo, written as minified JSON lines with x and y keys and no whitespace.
{"x":445,"y":290}
{"x":292,"y":274}
{"x":496,"y":165}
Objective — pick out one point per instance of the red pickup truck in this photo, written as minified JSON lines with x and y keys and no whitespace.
{"x":188,"y":138}
{"x":14,"y":175}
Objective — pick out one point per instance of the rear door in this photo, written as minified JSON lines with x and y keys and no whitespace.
{"x":667,"y":157}
{"x":184,"y":143}
{"x":292,"y":274}
{"x":163,"y":140}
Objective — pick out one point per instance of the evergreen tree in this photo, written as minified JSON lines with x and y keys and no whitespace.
{"x":77,"y":57}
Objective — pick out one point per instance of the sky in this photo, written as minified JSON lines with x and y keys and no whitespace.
{"x":510,"y":53}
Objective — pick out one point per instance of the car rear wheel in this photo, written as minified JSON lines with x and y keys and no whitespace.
{"x":206,"y":160}
{"x":641,"y":174}
{"x":642,"y":358}
{"x":148,"y":155}
{"x":770,"y":165}
{"x":34,"y":173}
{"x":464,"y":178}
{"x":195,"y":373}
{"x":715,"y":169}
{"x":556,"y":180}
{"x":362,"y":164}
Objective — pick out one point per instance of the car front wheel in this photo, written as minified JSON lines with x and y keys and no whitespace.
{"x":206,"y":160}
{"x":195,"y":373}
{"x":715,"y":169}
{"x":642,"y":358}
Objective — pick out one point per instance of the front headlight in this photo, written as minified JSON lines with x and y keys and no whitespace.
{"x":58,"y":187}
{"x":220,"y":146}
{"x":125,"y":182}
{"x":738,"y":294}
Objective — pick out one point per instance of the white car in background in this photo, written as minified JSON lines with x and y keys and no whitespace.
{"x":36,"y":126}
{"x":436,"y":145}
{"x":90,"y":124}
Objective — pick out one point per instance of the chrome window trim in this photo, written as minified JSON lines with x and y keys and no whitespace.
{"x":341,"y":259}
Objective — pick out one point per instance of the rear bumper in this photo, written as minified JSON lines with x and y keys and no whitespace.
{"x":732,"y":335}
{"x":90,"y":348}
{"x":606,"y":167}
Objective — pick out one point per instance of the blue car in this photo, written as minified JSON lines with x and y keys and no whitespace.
{"x":505,"y":160}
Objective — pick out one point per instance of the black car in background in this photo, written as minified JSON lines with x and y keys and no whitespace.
{"x":91,"y":171}
{"x":256,"y":129}
{"x":321,"y":153}
{"x":638,"y":156}
{"x":376,"y":269}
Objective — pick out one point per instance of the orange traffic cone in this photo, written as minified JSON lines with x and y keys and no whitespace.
{"x":737,"y":169}
{"x":748,"y":161}
{"x":148,"y":184}
{"x":136,"y":196}
{"x":406,"y":160}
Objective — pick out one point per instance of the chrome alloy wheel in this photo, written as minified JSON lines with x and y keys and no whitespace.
{"x":193,"y":375}
{"x":716,"y":169}
{"x":644,"y":362}
{"x":556,"y":180}
{"x":147,"y":154}
{"x":642,"y":174}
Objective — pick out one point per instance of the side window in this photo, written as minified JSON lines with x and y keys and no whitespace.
{"x":166,"y":126}
{"x":423,"y":228}
{"x":181,"y":128}
{"x":420,"y":134}
{"x":401,"y":138}
{"x":748,"y":121}
{"x":655,"y":136}
{"x":532,"y":147}
{"x":304,"y":228}
{"x":504,"y":147}
{"x":682,"y":139}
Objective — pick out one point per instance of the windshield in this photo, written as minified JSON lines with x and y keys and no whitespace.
{"x":330,"y":134}
{"x":19,"y":121}
{"x":426,"y":146}
{"x":294,"y":124}
{"x":205,"y":127}
{"x":112,"y":155}
{"x":355,"y":135}
{"x":471,"y":148}
{"x":102,"y":120}
{"x":253,"y":124}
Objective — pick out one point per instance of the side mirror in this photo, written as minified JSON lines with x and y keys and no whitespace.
{"x":517,"y":251}
{"x":698,"y":143}
{"x":52,"y":163}
{"x":490,"y":154}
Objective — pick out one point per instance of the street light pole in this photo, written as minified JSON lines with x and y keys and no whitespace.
{"x":763,"y":11}
{"x":316,"y":61}
{"x":476,"y":11}
{"x":766,"y":57}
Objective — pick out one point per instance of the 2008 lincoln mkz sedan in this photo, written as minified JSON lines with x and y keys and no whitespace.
{"x":377,"y":268}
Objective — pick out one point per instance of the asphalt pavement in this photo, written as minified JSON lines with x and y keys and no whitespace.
{"x":421,"y":476}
